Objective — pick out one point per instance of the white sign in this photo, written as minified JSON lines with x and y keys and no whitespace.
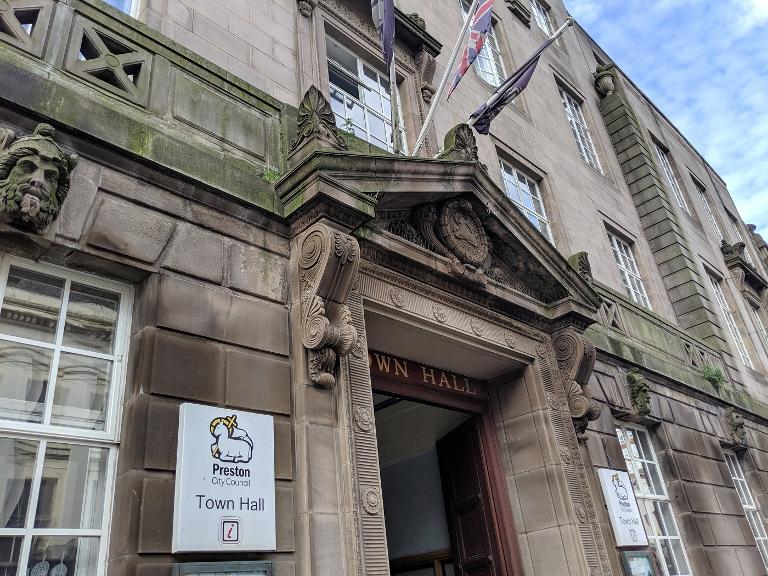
{"x":225,"y":481}
{"x":622,"y":508}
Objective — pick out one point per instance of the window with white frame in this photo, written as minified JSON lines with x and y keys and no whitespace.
{"x":730,"y":321}
{"x":748,"y":503}
{"x":361,"y":97}
{"x":630,"y":275}
{"x":543,"y":17}
{"x":739,"y":238}
{"x":760,"y":326}
{"x":653,"y":500}
{"x":130,"y":7}
{"x":708,"y":210}
{"x":489,"y":63}
{"x":666,"y":165}
{"x":63,"y":338}
{"x":526,"y":195}
{"x":580,"y":129}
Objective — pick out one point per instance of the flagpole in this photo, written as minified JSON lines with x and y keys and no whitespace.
{"x":395,"y":108}
{"x":444,"y":80}
{"x":499,"y":93}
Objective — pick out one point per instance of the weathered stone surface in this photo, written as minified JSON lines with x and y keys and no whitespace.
{"x":283,"y":449}
{"x":257,"y":381}
{"x":196,"y":252}
{"x":130,"y":230}
{"x":162,"y":436}
{"x":156,"y":520}
{"x":258,"y":272}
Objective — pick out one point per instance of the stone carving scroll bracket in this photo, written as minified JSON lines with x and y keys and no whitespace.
{"x":575,"y":356}
{"x":328,"y":264}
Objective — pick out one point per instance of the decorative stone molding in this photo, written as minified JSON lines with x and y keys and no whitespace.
{"x":751,"y":284}
{"x":509,"y":338}
{"x":580,"y":262}
{"x":736,"y":429}
{"x":639,"y":392}
{"x":460,"y":145}
{"x":306,"y":7}
{"x":34,"y":178}
{"x":438,"y":310}
{"x":604,"y":80}
{"x":328,"y":263}
{"x":575,"y":356}
{"x":426,"y":65}
{"x":364,"y":418}
{"x":24,"y":24}
{"x":520,"y":10}
{"x":418,"y":20}
{"x":316,"y":125}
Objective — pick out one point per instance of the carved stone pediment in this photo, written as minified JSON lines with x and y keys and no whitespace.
{"x":752,"y":285}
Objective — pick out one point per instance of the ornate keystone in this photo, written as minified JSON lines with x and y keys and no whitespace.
{"x":580,"y":262}
{"x":639,"y":392}
{"x":575,"y":356}
{"x":34,"y":178}
{"x":605,"y":81}
{"x":737,"y":430}
{"x":328,"y":264}
{"x":316,"y":124}
{"x":460,"y":145}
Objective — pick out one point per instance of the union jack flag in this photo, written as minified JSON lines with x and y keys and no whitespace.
{"x":481,"y":25}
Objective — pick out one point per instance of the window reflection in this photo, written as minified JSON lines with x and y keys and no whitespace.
{"x":31,"y":305}
{"x":80,"y":398}
{"x":24,"y":374}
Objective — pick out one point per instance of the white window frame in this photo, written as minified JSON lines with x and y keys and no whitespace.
{"x":579,"y":128}
{"x":754,"y":518}
{"x":489,"y":64}
{"x":657,"y":500}
{"x":45,"y":433}
{"x":730,"y":321}
{"x":666,"y":166}
{"x":760,"y":326}
{"x":739,"y":238}
{"x":518,"y":190}
{"x":630,"y":273}
{"x":708,"y":210}
{"x":359,"y":80}
{"x":543,"y":17}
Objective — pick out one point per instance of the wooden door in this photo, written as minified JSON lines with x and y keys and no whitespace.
{"x":468,"y":502}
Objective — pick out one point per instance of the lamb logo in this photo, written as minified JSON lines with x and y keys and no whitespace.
{"x":621,"y":490}
{"x":232,"y":443}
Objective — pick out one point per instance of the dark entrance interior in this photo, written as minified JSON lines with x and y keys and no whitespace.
{"x":436,"y":490}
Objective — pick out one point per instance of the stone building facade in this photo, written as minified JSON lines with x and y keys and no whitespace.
{"x":198,"y":205}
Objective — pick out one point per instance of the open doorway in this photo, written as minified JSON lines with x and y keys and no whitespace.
{"x":435,"y":490}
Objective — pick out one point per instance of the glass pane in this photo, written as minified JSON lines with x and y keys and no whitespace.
{"x":54,"y":555}
{"x":343,"y":83}
{"x":376,"y":127}
{"x":10,"y":546}
{"x":373,"y":100}
{"x":665,"y":510}
{"x":18,"y":457}
{"x":370,"y":79}
{"x":342,"y":56}
{"x":91,"y":319}
{"x":72,"y":487}
{"x":80,"y":397}
{"x":31,"y":305}
{"x":124,"y":5}
{"x":682,"y":564}
{"x":355,"y":112}
{"x":669,"y":557}
{"x":24,"y":376}
{"x":654,"y":479}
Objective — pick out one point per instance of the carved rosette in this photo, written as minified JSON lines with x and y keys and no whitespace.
{"x":328,"y":264}
{"x":371,"y":500}
{"x":438,"y":310}
{"x":575,"y":357}
{"x":364,"y":418}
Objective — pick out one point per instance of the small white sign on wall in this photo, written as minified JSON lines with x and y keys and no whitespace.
{"x":622,"y":508}
{"x":225,"y":481}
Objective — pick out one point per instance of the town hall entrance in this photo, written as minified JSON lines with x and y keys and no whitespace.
{"x":442,"y":494}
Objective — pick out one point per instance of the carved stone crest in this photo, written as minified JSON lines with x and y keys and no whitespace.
{"x":460,"y":144}
{"x":463,"y":232}
{"x":316,"y":121}
{"x":34,"y":178}
{"x":363,"y":418}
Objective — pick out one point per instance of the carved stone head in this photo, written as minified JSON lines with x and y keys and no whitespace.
{"x":34,"y":179}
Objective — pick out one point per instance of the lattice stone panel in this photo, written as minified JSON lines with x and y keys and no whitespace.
{"x":108,"y":60}
{"x":25,"y":23}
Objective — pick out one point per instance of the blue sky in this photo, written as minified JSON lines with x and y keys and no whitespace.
{"x":705,"y":65}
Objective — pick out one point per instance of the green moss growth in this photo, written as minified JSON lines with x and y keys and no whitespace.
{"x":714,"y":376}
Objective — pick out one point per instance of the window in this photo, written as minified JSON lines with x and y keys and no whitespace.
{"x":488,"y":64}
{"x":524,"y":192}
{"x":652,"y":499}
{"x":738,"y":238}
{"x":710,"y":215}
{"x":630,"y":275}
{"x":750,"y":509}
{"x":731,"y":322}
{"x":128,"y":6}
{"x":360,"y":97}
{"x":671,"y":179}
{"x":580,"y":130}
{"x":63,"y":337}
{"x":760,"y":326}
{"x":543,"y":17}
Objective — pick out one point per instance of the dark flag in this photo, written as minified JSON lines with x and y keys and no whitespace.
{"x":507,"y":92}
{"x":384,"y":19}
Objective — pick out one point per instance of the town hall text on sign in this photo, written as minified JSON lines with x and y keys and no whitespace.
{"x":403,"y":371}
